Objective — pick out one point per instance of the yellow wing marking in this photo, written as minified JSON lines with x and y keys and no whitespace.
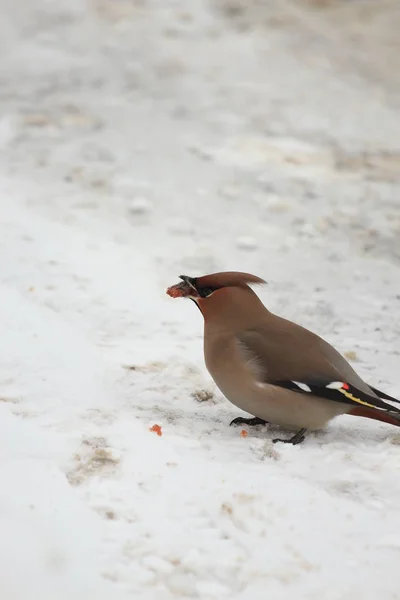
{"x":351,"y":397}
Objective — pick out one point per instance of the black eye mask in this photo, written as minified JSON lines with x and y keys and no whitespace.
{"x":206,"y":291}
{"x":203,"y":292}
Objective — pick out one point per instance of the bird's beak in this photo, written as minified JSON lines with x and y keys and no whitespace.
{"x":186,"y":289}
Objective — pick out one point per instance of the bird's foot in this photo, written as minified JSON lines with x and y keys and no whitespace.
{"x":297,"y":438}
{"x":244,"y":421}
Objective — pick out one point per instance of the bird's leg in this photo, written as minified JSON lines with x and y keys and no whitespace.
{"x":244,"y":421}
{"x":297,"y":438}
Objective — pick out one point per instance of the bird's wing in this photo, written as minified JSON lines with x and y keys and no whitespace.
{"x":339,"y":391}
{"x":383,"y":395}
{"x":288,"y":352}
{"x":294,"y":358}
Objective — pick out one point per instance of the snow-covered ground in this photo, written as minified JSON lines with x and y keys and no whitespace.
{"x":140,"y":140}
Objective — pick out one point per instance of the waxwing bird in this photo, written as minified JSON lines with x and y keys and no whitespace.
{"x":272,"y":368}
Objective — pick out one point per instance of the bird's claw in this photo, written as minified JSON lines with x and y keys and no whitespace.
{"x":243,"y":421}
{"x":297,"y":438}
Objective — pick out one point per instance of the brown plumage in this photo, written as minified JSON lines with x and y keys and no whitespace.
{"x":273,"y":368}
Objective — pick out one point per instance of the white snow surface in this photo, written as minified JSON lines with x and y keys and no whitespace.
{"x":140,"y":140}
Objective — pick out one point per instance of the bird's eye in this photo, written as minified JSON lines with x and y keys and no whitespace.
{"x":206,"y":291}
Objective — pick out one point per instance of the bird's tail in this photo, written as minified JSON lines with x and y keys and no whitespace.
{"x":378,"y":415}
